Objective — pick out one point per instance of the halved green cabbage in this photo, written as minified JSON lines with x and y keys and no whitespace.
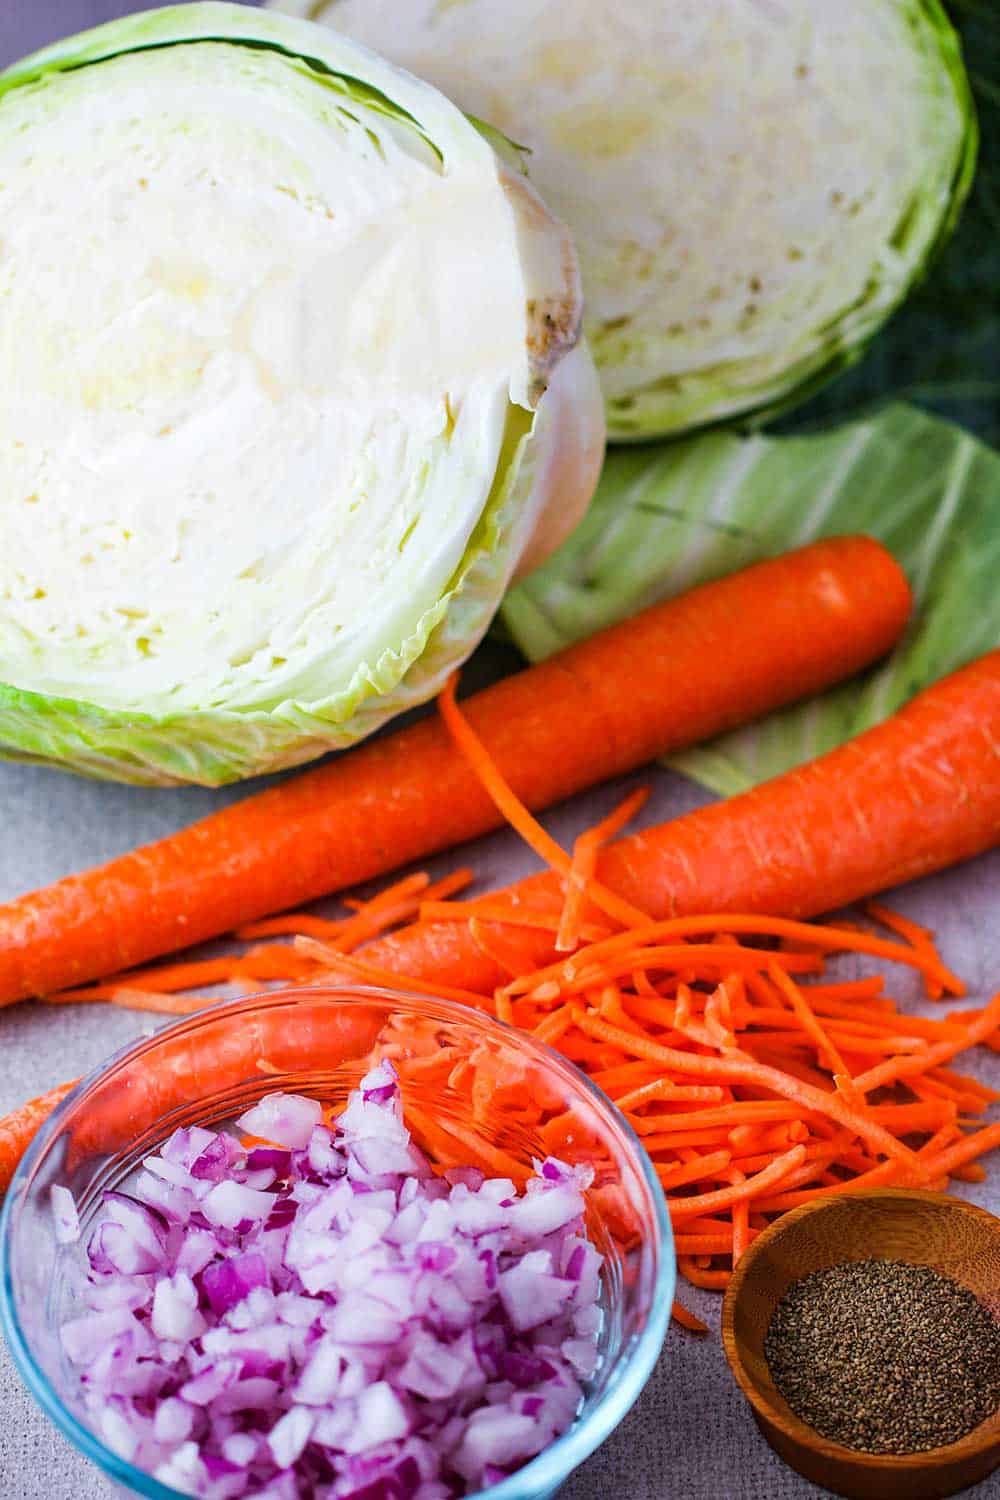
{"x":753,"y":185}
{"x":668,"y":517}
{"x":289,"y":359}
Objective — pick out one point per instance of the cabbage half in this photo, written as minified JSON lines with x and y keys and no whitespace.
{"x":290,"y":389}
{"x":753,"y":185}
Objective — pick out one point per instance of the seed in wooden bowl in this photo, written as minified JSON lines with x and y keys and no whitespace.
{"x":884,"y":1356}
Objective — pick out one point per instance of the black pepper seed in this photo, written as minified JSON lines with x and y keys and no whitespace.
{"x":884,"y":1356}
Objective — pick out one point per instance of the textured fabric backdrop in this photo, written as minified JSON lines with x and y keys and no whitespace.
{"x":690,"y":1437}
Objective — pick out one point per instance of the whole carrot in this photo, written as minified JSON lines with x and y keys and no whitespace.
{"x":215,"y":1058}
{"x":680,"y":672}
{"x":19,"y":1128}
{"x":915,"y":794}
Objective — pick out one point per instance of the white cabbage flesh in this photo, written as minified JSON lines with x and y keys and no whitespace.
{"x":753,"y":185}
{"x":271,"y":350}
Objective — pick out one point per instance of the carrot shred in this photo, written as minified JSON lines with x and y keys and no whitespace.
{"x":742,"y":1068}
{"x":554,"y":1026}
{"x":504,"y":915}
{"x":161,"y":1005}
{"x":534,"y":835}
{"x":827,"y":1050}
{"x":291,"y":925}
{"x":666,"y":1091}
{"x":712,"y":1281}
{"x":919,"y":937}
{"x":686,"y":1318}
{"x":583,"y":867}
{"x":896,"y":1069}
{"x":699,"y":1170}
{"x":741,"y":1223}
{"x":333,"y":960}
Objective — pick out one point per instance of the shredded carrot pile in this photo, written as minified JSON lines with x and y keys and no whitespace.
{"x":755,"y":1079}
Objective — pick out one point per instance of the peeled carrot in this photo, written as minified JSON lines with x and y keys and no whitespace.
{"x":216,"y":1057}
{"x":19,"y":1128}
{"x":915,"y":794}
{"x":596,"y":710}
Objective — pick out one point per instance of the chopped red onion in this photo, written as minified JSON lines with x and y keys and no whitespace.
{"x":324,"y":1317}
{"x":173,"y":1421}
{"x":112,"y":1247}
{"x":175,"y":1309}
{"x":226,"y":1282}
{"x":279,"y":1161}
{"x":289,"y":1435}
{"x":64,"y":1216}
{"x":284,"y":1119}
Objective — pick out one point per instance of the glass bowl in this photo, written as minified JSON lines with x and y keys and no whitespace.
{"x":210,"y":1067}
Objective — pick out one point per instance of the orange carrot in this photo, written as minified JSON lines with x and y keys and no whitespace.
{"x":781,"y":1167}
{"x":826,"y":1048}
{"x":725,"y":1116}
{"x":687,"y":1319}
{"x":360,"y":968}
{"x":160,"y":1005}
{"x":971,"y":1172}
{"x":977,"y":1030}
{"x":499,"y":914}
{"x":712,"y":1281}
{"x":718,"y":1243}
{"x":292,"y":925}
{"x":743,"y":1069}
{"x":668,"y":1092}
{"x":920,"y":937}
{"x":597,"y":710}
{"x":18,"y":1129}
{"x":514,"y":811}
{"x":584,"y":865}
{"x":964,"y":1151}
{"x":741,"y":1223}
{"x":554,"y":1026}
{"x":693,"y":1171}
{"x":915,"y":794}
{"x":680,"y":1140}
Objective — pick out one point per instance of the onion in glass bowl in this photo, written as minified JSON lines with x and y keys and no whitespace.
{"x":211,"y":1068}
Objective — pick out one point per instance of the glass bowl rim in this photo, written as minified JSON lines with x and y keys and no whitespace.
{"x":542,"y":1474}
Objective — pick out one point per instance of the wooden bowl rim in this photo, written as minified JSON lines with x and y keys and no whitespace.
{"x":975,"y":1443}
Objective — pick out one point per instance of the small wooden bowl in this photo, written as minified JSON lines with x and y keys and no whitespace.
{"x":926,"y":1229}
